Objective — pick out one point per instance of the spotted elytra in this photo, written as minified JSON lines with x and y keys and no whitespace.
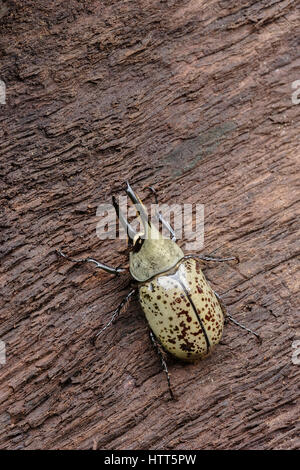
{"x":185,"y":316}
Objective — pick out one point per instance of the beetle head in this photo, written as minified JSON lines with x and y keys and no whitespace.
{"x":151,"y":253}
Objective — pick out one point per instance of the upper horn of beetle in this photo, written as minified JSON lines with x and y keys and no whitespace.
{"x":131,"y":233}
{"x":140,"y":208}
{"x":150,"y":231}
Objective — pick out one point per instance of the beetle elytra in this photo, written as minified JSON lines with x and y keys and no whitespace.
{"x":184,"y":314}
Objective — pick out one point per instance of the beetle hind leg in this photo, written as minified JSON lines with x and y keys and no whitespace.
{"x":158,"y":348}
{"x":230,"y":318}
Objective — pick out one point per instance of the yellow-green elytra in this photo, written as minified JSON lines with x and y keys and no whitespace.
{"x":182,"y":310}
{"x":180,"y":307}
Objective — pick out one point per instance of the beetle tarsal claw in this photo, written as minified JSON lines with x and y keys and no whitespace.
{"x":259,"y":338}
{"x":60,"y":253}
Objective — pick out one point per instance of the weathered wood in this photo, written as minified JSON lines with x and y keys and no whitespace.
{"x":195,"y":98}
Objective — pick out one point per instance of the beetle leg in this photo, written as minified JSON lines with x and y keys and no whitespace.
{"x":229,"y":317}
{"x":211,"y":258}
{"x":160,"y":217}
{"x":105,"y":267}
{"x":116,"y":313}
{"x":158,"y":348}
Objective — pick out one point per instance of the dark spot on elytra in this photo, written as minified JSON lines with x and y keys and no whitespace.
{"x":187,"y":346}
{"x":182,"y":312}
{"x":197,"y":333}
{"x":172,"y":341}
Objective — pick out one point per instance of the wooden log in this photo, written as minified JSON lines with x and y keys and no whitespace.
{"x":194,"y":98}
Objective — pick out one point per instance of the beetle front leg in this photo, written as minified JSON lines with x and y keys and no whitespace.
{"x":158,"y":348}
{"x":229,"y":317}
{"x":116,"y":313}
{"x":160,"y":217}
{"x":105,"y":267}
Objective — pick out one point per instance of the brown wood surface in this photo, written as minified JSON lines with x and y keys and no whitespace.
{"x":193,"y":97}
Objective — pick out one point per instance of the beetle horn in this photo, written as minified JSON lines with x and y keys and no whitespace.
{"x":140,"y":208}
{"x":131,"y":233}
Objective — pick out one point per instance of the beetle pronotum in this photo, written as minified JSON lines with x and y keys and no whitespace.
{"x":184,"y":314}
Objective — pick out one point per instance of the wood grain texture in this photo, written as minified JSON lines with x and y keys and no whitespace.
{"x":193,"y":97}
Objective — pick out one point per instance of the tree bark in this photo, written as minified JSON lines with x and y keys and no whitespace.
{"x":194,"y":98}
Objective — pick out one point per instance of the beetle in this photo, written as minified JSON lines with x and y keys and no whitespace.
{"x":184,"y":314}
